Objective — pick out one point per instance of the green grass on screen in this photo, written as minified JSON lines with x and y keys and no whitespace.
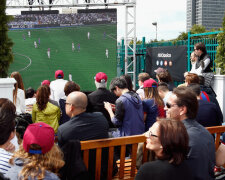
{"x":83,"y":65}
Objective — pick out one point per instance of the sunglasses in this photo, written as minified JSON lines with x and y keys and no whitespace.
{"x":168,"y":105}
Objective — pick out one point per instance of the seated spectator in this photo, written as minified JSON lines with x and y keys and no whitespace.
{"x":169,"y":140}
{"x":141,"y":78}
{"x":97,"y":98}
{"x":44,"y":111}
{"x":182,"y":105}
{"x":164,"y":92}
{"x":84,"y":126}
{"x":129,"y":114}
{"x":38,"y":156}
{"x":153,"y":104}
{"x":194,"y":78}
{"x":46,"y":82}
{"x":49,"y":94}
{"x":194,"y":61}
{"x":57,"y":86}
{"x":30,"y":100}
{"x":163,"y":75}
{"x":70,"y":86}
{"x":208,"y":113}
{"x":18,"y":93}
{"x":191,"y":78}
{"x":7,"y":133}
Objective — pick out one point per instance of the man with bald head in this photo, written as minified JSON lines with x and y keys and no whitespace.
{"x":82,"y":125}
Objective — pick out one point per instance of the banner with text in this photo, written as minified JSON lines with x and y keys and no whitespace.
{"x":173,"y":58}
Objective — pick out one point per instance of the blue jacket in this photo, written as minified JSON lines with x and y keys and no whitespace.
{"x":129,"y":115}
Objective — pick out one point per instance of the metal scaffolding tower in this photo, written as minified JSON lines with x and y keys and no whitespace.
{"x":130,"y":20}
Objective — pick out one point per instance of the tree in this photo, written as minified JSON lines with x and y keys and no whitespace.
{"x":182,"y":36}
{"x":220,"y":54}
{"x":197,"y":29}
{"x":6,"y":56}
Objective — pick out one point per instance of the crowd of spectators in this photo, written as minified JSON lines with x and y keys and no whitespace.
{"x":183,"y":147}
{"x":75,"y":19}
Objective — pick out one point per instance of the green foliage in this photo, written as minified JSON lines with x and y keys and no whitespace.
{"x":137,"y":42}
{"x":6,"y":56}
{"x":182,"y":36}
{"x":220,"y":55}
{"x":197,"y":29}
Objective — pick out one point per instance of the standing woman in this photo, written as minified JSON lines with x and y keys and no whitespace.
{"x":153,"y":104}
{"x":168,"y":138}
{"x":18,"y":93}
{"x":44,"y":111}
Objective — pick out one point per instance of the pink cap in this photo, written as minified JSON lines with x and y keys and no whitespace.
{"x":150,"y":83}
{"x":59,"y":74}
{"x":41,"y":134}
{"x":159,"y":70}
{"x":45,"y":82}
{"x":101,"y":77}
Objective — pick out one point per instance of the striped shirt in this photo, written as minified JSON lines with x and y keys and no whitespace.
{"x":4,"y":160}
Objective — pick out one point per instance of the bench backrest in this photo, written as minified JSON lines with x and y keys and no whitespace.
{"x":111,"y":143}
{"x":217,"y":130}
{"x":122,"y":142}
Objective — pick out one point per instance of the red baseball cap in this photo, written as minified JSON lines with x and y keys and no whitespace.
{"x":59,"y":74}
{"x":45,"y":82}
{"x":41,"y":134}
{"x":150,"y":83}
{"x":101,"y":77}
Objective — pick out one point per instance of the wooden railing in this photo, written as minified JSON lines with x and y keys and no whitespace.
{"x":127,"y":168}
{"x":217,"y":130}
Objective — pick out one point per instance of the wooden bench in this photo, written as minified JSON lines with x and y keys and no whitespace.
{"x":217,"y":130}
{"x":126,"y":168}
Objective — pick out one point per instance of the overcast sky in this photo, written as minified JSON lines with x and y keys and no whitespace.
{"x":170,"y":16}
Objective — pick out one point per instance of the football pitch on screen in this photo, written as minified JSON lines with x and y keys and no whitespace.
{"x":88,"y":57}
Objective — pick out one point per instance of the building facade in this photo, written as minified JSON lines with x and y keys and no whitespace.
{"x":208,"y":13}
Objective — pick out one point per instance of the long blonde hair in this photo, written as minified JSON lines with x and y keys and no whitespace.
{"x":152,"y":93}
{"x":18,"y":84}
{"x":35,"y":165}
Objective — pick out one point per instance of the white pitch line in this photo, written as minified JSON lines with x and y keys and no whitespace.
{"x":27,"y":58}
{"x":111,"y":37}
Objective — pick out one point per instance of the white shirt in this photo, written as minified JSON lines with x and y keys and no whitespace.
{"x":20,"y":101}
{"x":14,"y":141}
{"x":4,"y":161}
{"x":57,"y":89}
{"x":141,"y":92}
{"x":29,"y":104}
{"x":197,"y":71}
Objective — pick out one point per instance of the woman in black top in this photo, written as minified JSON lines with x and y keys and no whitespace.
{"x":169,"y":140}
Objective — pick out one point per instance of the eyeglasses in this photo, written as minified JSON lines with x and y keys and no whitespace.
{"x":168,"y":105}
{"x":153,"y":135}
